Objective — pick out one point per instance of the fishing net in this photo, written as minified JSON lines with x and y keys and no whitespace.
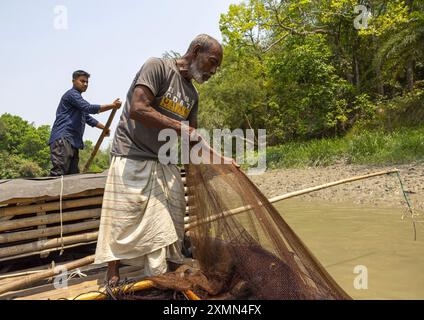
{"x":243,"y":247}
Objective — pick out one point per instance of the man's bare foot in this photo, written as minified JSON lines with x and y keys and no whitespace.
{"x":112,"y":276}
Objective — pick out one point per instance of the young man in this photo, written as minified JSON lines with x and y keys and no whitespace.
{"x":142,"y":220}
{"x":72,"y":114}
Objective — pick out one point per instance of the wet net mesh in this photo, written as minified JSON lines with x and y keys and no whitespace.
{"x":244,"y":248}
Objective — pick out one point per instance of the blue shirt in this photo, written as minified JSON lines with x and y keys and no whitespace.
{"x":71,"y":116}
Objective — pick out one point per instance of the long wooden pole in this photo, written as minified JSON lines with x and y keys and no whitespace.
{"x":330,"y":184}
{"x":45,"y":251}
{"x":49,"y":219}
{"x":47,"y":244}
{"x":50,"y":206}
{"x":47,"y":232}
{"x":31,"y":279}
{"x":189,"y":224}
{"x":100,"y":140}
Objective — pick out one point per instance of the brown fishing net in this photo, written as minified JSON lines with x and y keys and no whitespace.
{"x":243,"y":247}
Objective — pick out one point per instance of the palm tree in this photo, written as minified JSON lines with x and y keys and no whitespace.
{"x":400,"y":50}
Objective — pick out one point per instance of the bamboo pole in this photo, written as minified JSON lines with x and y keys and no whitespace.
{"x":331,"y":184}
{"x":75,"y":286}
{"x":48,"y":250}
{"x":50,"y":219}
{"x":46,"y":244}
{"x":50,"y":206}
{"x":6,"y":279}
{"x":100,"y":140}
{"x":34,"y":278}
{"x":47,"y":232}
{"x":13,"y":275}
{"x":192,"y":224}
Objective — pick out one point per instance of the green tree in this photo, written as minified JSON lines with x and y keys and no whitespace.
{"x":401,"y":50}
{"x":310,"y":99}
{"x":301,"y":69}
{"x":24,"y":148}
{"x":14,"y":166}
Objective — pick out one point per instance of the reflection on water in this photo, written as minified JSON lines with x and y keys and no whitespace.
{"x":343,"y":236}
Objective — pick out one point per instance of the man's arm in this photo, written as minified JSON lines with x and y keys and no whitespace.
{"x":192,"y":117}
{"x":114,"y":105}
{"x":90,"y":120}
{"x":95,"y":123}
{"x":102,"y":126}
{"x":142,"y":111}
{"x":78,"y":101}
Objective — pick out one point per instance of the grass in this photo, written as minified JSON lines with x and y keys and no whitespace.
{"x":370,"y":147}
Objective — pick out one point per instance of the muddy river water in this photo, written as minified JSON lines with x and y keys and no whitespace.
{"x":369,"y":251}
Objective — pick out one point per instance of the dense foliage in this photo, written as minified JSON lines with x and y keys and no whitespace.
{"x":24,"y":150}
{"x":302,"y":69}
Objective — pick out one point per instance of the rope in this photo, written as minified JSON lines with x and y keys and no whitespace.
{"x":408,"y":203}
{"x":61,"y":216}
{"x":77,"y":273}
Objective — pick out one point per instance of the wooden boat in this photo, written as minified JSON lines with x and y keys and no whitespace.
{"x":43,"y":217}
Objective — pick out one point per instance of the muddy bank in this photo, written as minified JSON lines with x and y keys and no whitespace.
{"x":384,"y":191}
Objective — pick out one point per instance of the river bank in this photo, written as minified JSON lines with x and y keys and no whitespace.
{"x":383,"y":191}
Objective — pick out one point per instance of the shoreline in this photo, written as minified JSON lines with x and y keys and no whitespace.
{"x":383,"y":191}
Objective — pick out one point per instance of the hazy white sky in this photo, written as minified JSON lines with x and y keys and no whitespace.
{"x":44,"y":41}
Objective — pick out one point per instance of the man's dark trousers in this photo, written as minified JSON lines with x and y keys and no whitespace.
{"x":64,"y":158}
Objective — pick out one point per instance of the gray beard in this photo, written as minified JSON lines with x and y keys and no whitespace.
{"x":196,"y":74}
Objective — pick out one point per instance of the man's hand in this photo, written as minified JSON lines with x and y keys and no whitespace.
{"x":194,"y":134}
{"x":101,"y":126}
{"x":117,"y":104}
{"x":212,"y":153}
{"x":227,"y":160}
{"x":114,"y":105}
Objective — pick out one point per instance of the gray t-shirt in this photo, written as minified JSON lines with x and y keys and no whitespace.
{"x":175,"y":97}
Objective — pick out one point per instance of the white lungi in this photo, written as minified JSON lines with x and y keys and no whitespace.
{"x":142,"y":219}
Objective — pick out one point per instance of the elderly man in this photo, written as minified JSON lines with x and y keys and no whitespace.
{"x":142,"y":219}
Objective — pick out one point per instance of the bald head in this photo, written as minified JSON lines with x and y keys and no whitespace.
{"x":205,"y":43}
{"x":204,"y":56}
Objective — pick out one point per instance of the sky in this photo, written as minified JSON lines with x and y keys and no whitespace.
{"x":44,"y":41}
